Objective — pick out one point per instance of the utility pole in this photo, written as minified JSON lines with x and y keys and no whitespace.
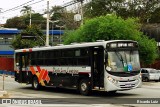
{"x":81,"y":1}
{"x":30,"y":20}
{"x":47,"y":25}
{"x":0,"y":14}
{"x":79,"y":16}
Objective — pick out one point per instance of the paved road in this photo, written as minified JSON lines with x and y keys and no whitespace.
{"x":67,"y":97}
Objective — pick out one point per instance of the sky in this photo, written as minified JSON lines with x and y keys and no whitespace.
{"x":37,"y":7}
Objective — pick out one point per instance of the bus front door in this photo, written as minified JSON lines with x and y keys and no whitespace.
{"x":22,"y":66}
{"x":97,"y":67}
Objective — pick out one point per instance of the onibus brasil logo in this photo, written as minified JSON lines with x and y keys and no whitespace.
{"x":21,"y":101}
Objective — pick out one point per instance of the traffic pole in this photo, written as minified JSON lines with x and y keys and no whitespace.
{"x":3,"y":81}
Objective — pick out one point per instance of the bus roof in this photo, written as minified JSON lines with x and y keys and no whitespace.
{"x":72,"y":45}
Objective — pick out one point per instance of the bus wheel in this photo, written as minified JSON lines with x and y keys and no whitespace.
{"x":35,"y":83}
{"x":84,"y":87}
{"x":146,"y":79}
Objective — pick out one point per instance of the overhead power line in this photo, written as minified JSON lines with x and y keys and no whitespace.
{"x":17,"y":6}
{"x":70,"y":3}
{"x":20,"y":6}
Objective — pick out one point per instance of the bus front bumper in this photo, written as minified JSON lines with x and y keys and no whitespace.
{"x":120,"y":85}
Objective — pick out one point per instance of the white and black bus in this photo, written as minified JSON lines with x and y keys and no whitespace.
{"x":103,"y":65}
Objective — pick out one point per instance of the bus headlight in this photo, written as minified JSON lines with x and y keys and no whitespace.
{"x":140,"y":76}
{"x":112,"y":80}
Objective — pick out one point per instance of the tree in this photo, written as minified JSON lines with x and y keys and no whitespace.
{"x":20,"y":43}
{"x":26,"y":10}
{"x":57,"y":12}
{"x":143,"y":9}
{"x":102,"y":7}
{"x":111,"y":27}
{"x":65,"y":17}
{"x":23,"y":21}
{"x":37,"y":19}
{"x":155,"y":17}
{"x":15,"y":22}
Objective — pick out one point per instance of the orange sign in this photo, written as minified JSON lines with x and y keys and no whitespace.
{"x":42,"y":75}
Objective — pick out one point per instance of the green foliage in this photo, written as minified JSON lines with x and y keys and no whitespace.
{"x":96,"y":8}
{"x":19,"y":43}
{"x":155,"y":18}
{"x":26,"y":10}
{"x":107,"y":27}
{"x":15,"y":22}
{"x":23,"y":21}
{"x":57,"y":12}
{"x":148,"y":49}
{"x":65,"y":18}
{"x":111,"y":27}
{"x":36,"y":19}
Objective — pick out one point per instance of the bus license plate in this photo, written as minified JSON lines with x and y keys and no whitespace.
{"x":128,"y":85}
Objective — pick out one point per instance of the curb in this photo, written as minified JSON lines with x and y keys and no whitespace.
{"x":3,"y":93}
{"x":12,"y":76}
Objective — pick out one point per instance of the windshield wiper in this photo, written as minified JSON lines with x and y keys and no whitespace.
{"x":125,"y":57}
{"x":120,"y":57}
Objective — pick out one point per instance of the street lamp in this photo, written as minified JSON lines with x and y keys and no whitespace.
{"x":60,"y":31}
{"x":54,"y":21}
{"x":52,"y":28}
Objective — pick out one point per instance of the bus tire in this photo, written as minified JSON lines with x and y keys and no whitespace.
{"x":146,"y":79}
{"x":84,"y":87}
{"x":35,"y":84}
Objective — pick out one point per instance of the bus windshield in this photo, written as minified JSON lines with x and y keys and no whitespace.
{"x":123,"y":61}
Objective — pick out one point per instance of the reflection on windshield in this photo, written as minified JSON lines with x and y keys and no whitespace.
{"x":120,"y":61}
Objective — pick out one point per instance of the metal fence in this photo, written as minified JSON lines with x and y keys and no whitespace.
{"x":7,"y":73}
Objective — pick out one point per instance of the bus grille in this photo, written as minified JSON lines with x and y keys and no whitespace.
{"x":128,"y":81}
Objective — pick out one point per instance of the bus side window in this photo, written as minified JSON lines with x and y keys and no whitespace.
{"x":77,"y":53}
{"x":33,"y":58}
{"x":23,"y":61}
{"x":28,"y":59}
